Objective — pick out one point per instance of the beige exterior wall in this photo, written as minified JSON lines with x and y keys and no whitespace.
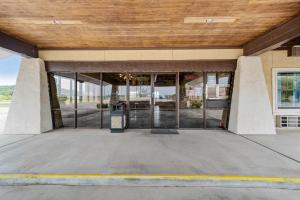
{"x":276,"y":59}
{"x":130,"y":55}
{"x":71,"y":55}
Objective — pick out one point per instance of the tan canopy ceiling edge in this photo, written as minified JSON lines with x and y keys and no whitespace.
{"x":125,"y":55}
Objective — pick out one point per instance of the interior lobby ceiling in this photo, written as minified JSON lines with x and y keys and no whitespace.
{"x":115,"y":24}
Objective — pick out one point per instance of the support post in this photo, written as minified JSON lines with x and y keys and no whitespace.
{"x":251,"y":111}
{"x":30,"y":111}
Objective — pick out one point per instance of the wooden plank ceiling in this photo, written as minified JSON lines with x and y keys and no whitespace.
{"x":110,"y":24}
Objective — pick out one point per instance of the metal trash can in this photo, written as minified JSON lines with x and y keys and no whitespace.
{"x":118,"y":118}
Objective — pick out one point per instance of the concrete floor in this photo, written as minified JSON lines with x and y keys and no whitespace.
{"x":145,"y":193}
{"x":286,"y":142}
{"x":3,"y":116}
{"x":138,"y":151}
{"x":10,"y":139}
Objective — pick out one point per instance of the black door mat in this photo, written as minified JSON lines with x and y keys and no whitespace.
{"x":164,"y":131}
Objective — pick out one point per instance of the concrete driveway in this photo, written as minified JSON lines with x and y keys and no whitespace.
{"x":145,"y":193}
{"x":69,"y":151}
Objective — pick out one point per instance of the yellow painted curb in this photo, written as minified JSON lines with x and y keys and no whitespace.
{"x":178,"y":177}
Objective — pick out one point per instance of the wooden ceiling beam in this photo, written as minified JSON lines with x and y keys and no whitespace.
{"x":18,"y":46}
{"x":274,"y":38}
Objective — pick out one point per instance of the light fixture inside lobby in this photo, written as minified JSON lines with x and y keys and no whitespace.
{"x":126,"y":76}
{"x":208,"y":20}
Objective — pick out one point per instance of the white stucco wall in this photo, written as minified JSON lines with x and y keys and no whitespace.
{"x":30,"y":111}
{"x":251,"y":111}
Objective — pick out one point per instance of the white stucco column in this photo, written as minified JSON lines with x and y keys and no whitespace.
{"x":251,"y":111}
{"x":30,"y":111}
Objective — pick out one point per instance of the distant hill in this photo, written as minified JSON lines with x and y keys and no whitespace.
{"x":6,"y":92}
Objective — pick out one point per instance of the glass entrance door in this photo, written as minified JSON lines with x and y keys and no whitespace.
{"x":218,"y":95}
{"x":164,"y":101}
{"x":191,"y":105}
{"x":140,"y":101}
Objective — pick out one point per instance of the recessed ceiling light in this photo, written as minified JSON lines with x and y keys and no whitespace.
{"x":208,"y":20}
{"x":57,"y":21}
{"x":66,"y":22}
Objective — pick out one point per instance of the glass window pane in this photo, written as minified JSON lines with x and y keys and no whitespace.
{"x":223,"y":85}
{"x":218,"y":93}
{"x":114,"y":91}
{"x":218,"y":85}
{"x":216,"y":118}
{"x":224,"y":78}
{"x":191,"y":100}
{"x":88,"y":100}
{"x":211,"y":78}
{"x":65,"y":91}
{"x":63,"y":98}
{"x":165,"y":101}
{"x":67,"y":117}
{"x":139,"y":101}
{"x":288,"y":93}
{"x":211,"y":86}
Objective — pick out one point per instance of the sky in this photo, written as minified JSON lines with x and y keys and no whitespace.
{"x":9,"y":68}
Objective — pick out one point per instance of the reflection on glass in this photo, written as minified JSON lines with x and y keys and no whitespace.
{"x":114,"y":91}
{"x":211,"y":86}
{"x":216,"y":118}
{"x":139,"y":101}
{"x":191,"y":100}
{"x":165,"y":101}
{"x":217,"y":93}
{"x":224,"y":85}
{"x":64,"y":100}
{"x":88,"y":100}
{"x":140,"y":115}
{"x":288,"y":89}
{"x":218,"y":85}
{"x":65,"y":92}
